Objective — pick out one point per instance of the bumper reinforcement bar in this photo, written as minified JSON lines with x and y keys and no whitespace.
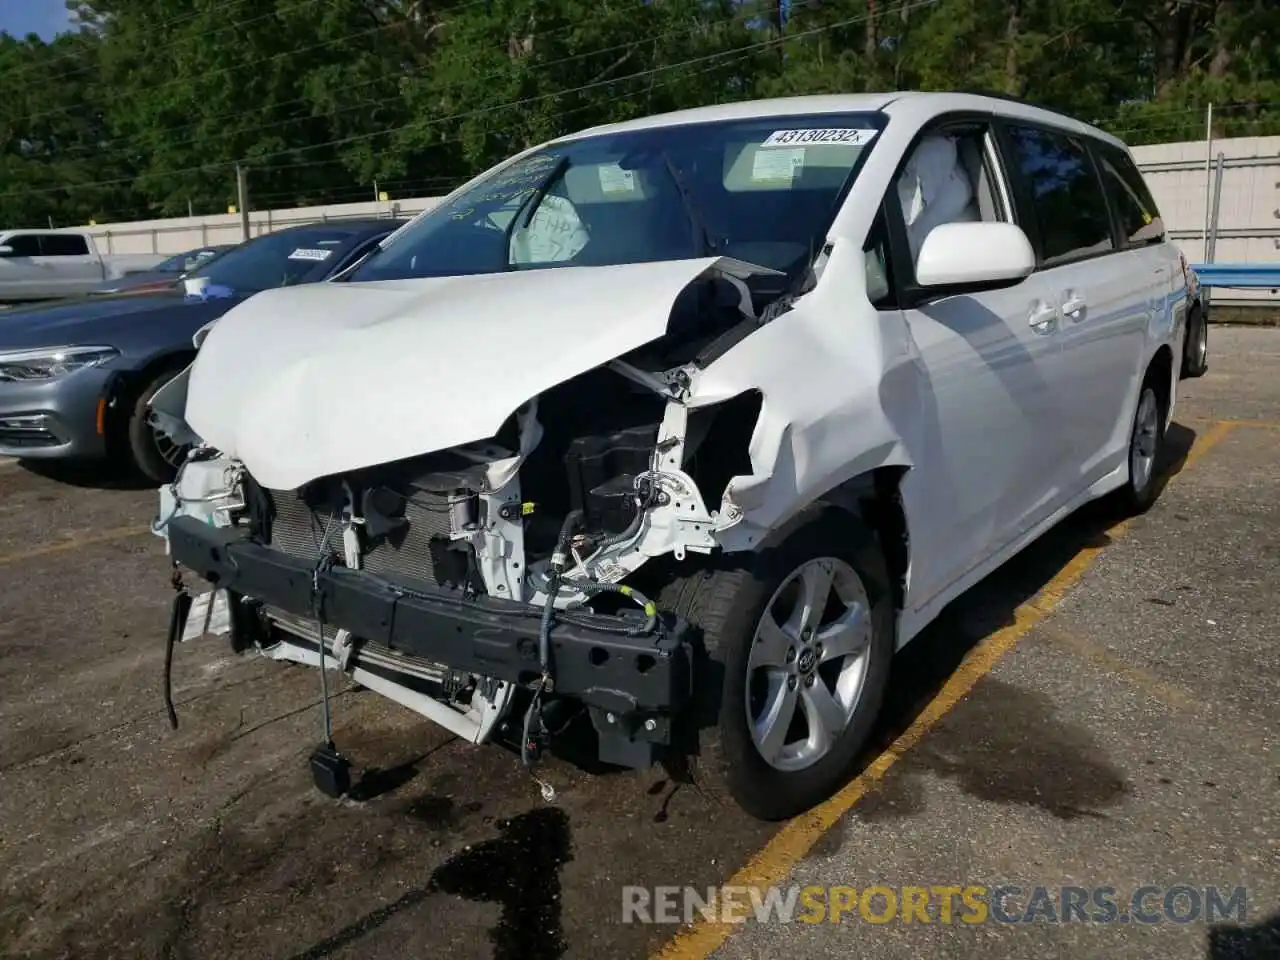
{"x":629,"y":676}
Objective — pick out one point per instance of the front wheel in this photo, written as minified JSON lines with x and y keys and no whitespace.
{"x":152,"y":454}
{"x":804,"y":633}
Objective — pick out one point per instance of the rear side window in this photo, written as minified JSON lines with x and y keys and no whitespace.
{"x":1066,"y":197}
{"x":24,"y":245}
{"x":1135,"y":208}
{"x":63,"y":245}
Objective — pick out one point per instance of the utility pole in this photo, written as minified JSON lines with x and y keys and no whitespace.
{"x":1208,"y":180}
{"x":375,"y":191}
{"x":242,"y":198}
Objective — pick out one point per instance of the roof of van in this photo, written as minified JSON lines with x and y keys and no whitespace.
{"x":911,"y":105}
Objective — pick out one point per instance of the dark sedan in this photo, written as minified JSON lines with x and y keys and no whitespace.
{"x":165,"y":272}
{"x":76,"y":376}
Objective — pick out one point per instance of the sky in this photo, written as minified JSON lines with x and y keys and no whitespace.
{"x":44,"y":17}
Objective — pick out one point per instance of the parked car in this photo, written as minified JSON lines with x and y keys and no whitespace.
{"x":804,"y":371}
{"x":165,"y":272}
{"x":49,"y":264}
{"x":76,"y":376}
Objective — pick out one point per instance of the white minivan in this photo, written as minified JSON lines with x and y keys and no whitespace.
{"x":683,"y":425}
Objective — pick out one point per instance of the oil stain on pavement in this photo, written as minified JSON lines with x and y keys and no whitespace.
{"x":519,"y":870}
{"x":1003,"y":745}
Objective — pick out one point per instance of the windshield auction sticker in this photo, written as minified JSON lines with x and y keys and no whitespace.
{"x":302,"y":253}
{"x":613,"y":179}
{"x":776,"y":166}
{"x":849,"y":136}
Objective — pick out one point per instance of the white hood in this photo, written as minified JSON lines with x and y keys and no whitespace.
{"x":308,"y":381}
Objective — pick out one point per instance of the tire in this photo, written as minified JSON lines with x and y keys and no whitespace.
{"x":1195,"y":351}
{"x":151,"y":457}
{"x":729,"y":605}
{"x":1146,"y":443}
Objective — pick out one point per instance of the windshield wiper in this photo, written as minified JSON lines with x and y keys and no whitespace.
{"x":530,"y":207}
{"x":701,"y":235}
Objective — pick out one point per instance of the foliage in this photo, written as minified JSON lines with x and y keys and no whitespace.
{"x":145,"y":109}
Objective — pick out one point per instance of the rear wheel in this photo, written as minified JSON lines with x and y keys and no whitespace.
{"x":804,"y":635}
{"x":1146,"y":440}
{"x":1195,"y":352}
{"x":151,"y":453}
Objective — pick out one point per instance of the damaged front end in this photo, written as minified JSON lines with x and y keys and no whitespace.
{"x":494,"y":586}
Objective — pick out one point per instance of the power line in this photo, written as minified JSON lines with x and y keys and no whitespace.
{"x":455,"y":182}
{"x":481,"y":111}
{"x":98,"y":148}
{"x":1161,"y":123}
{"x":390,"y":74}
{"x":253,"y":63}
{"x":746,"y":50}
{"x":164,"y":24}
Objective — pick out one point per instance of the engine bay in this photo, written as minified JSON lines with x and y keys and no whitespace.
{"x":572,"y":495}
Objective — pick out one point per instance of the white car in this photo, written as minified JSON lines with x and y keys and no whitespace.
{"x":689,"y":422}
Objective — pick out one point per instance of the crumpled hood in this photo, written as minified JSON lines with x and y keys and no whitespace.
{"x":309,"y":381}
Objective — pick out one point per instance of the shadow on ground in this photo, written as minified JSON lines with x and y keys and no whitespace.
{"x":1259,"y":941}
{"x":1059,"y":769}
{"x":93,"y":475}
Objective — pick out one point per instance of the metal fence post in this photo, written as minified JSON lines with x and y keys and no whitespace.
{"x":1208,"y":159}
{"x":1211,"y":253}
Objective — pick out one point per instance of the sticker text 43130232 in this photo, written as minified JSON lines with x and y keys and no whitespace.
{"x":847,"y":136}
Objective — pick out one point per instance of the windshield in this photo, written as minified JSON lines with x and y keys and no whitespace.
{"x":761,"y":190}
{"x":277,"y":259}
{"x":181,"y":262}
{"x":175,"y":264}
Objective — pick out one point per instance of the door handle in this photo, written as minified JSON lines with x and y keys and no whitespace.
{"x":1073,"y":308}
{"x":1042,"y":317}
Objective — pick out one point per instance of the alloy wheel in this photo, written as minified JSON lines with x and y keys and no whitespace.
{"x":807,"y":664}
{"x":1142,"y":450}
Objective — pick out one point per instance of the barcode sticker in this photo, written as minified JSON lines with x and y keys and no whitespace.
{"x":849,"y":136}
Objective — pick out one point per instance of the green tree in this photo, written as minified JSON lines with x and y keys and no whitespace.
{"x":145,"y":109}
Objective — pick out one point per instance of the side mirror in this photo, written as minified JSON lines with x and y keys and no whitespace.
{"x":6,"y":250}
{"x":974,"y":256}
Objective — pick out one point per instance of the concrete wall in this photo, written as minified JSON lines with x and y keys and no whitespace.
{"x":1248,"y":212}
{"x":1248,"y":221}
{"x":185,"y":233}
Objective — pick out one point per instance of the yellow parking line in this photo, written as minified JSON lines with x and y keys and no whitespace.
{"x":1271,"y":424}
{"x":106,"y":536}
{"x":1145,"y":682}
{"x":1109,"y":662}
{"x":797,"y":837}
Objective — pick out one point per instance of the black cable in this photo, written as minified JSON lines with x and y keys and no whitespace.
{"x":643,"y":503}
{"x":648,"y":606}
{"x":177,"y":620}
{"x":323,"y":564}
{"x":558,"y":561}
